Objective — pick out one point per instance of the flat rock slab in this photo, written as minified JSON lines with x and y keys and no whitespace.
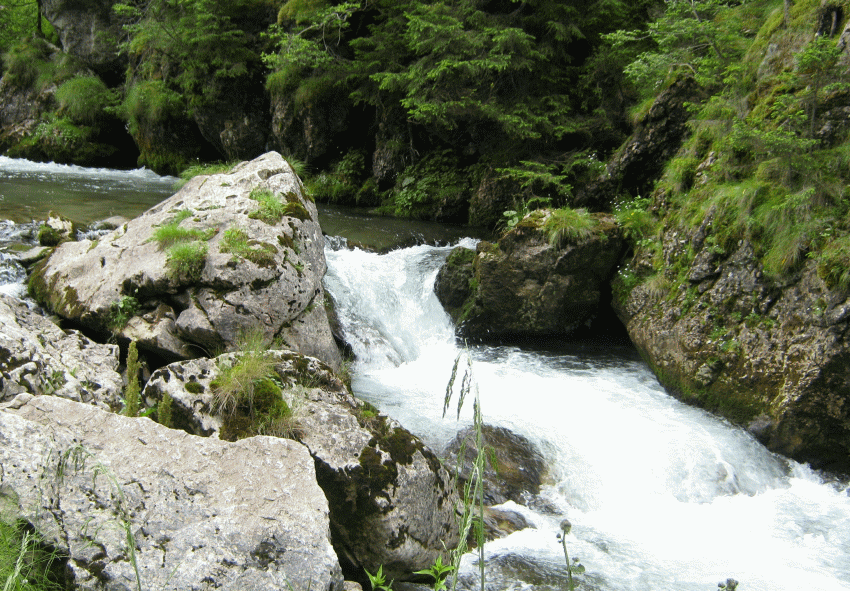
{"x":118,"y":494}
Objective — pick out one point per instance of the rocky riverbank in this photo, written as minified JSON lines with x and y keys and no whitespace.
{"x":264,"y":471}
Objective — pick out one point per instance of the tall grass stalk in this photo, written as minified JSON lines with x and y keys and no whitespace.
{"x":472,"y":515}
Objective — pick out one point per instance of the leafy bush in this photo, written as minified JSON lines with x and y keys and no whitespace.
{"x":343,"y":183}
{"x":434,"y":180}
{"x":150,"y":101}
{"x":121,"y":311}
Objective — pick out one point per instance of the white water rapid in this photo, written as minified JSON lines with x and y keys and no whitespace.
{"x":661,"y":496}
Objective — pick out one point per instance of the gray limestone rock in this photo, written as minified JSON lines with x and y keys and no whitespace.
{"x":120,"y":496}
{"x":392,"y":504}
{"x":38,"y":357}
{"x":127,"y":282}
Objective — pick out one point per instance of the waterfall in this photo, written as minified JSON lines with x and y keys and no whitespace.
{"x":661,"y":495}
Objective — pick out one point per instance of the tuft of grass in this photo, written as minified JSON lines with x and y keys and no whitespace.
{"x":271,"y":208}
{"x":172,"y":233}
{"x":26,"y":564}
{"x":187,"y":259}
{"x":194,"y":170}
{"x":834,"y":264}
{"x":236,"y":241}
{"x":569,"y":225}
{"x":236,"y":381}
{"x":248,"y":394}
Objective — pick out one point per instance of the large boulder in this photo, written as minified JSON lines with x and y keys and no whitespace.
{"x":38,"y":357}
{"x":132,"y":504}
{"x":392,"y":504}
{"x":91,"y":31}
{"x":772,"y":357}
{"x":526,"y":285}
{"x":250,"y":268}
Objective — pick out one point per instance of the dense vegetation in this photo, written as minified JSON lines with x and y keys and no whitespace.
{"x":438,"y":94}
{"x":768,"y":156}
{"x":414,"y":107}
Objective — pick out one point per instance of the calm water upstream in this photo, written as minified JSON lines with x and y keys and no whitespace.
{"x":662,"y":496}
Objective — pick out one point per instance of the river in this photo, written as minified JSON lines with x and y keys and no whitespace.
{"x":662,"y":496}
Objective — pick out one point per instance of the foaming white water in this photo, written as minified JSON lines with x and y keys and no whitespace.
{"x":51,"y":170}
{"x":661,"y":495}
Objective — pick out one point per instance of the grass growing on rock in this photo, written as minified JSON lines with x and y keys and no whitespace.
{"x":187,"y":259}
{"x":236,"y":241}
{"x":186,"y":247}
{"x":25,"y":563}
{"x":565,"y":225}
{"x":272,"y":208}
{"x":249,"y":395}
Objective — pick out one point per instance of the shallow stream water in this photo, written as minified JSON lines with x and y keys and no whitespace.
{"x":660,"y":495}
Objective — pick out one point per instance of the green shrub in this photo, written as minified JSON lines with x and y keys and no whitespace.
{"x":121,"y":311}
{"x":150,"y":101}
{"x":343,"y":183}
{"x":434,"y":180}
{"x":85,"y":99}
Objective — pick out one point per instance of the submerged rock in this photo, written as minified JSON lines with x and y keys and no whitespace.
{"x":527,"y":285}
{"x":392,"y":504}
{"x":229,"y":254}
{"x":199,"y":513}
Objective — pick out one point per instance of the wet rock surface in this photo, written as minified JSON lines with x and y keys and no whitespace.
{"x":524,"y":285}
{"x":773,"y":357}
